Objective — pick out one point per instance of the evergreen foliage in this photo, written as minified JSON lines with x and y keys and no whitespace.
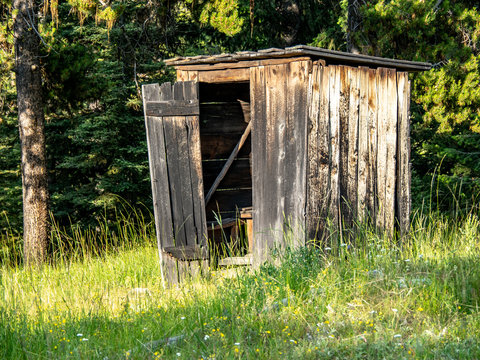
{"x":97,"y":55}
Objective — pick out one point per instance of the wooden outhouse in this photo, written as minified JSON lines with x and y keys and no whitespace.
{"x":296,"y":143}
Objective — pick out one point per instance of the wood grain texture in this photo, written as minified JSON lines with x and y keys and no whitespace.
{"x":372,"y":144}
{"x":279,"y":155}
{"x":334,"y":149}
{"x":382,"y":121}
{"x":391,"y":142}
{"x":353,"y":120}
{"x":228,"y":75}
{"x":295,"y":148}
{"x":363,"y":153}
{"x":258,"y":111}
{"x":274,"y":161}
{"x":345,"y":208}
{"x":318,"y":173}
{"x":403,"y":154}
{"x":158,"y":167}
{"x":313,"y":226}
{"x":181,"y":183}
{"x":172,"y":108}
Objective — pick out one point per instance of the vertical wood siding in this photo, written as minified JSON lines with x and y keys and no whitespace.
{"x":278,"y":99}
{"x":358,"y":149}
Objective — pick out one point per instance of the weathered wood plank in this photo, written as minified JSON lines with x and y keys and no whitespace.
{"x":189,"y":252}
{"x":196,"y":177}
{"x":190,"y":91}
{"x":382,"y":123}
{"x":184,"y":163}
{"x":173,"y":108}
{"x":182,"y":74}
{"x":241,"y":64}
{"x":170,"y":126}
{"x":274,"y":161}
{"x":227,"y":75}
{"x":363,"y":155}
{"x":345,"y":207}
{"x":391,"y":139}
{"x":324,"y":160}
{"x":352,"y":182}
{"x":334,"y":149}
{"x":295,"y":149}
{"x":192,"y":75}
{"x":220,"y":147}
{"x":372,"y":144}
{"x":314,"y":186}
{"x":169,"y":269}
{"x":403,"y":154}
{"x":258,"y":111}
{"x":158,"y":170}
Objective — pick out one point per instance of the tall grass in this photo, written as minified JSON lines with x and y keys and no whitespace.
{"x":128,"y":228}
{"x":370,"y":297}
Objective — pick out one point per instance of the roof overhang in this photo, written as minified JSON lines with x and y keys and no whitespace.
{"x":330,"y":56}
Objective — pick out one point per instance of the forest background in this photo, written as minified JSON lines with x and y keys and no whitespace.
{"x":97,"y":54}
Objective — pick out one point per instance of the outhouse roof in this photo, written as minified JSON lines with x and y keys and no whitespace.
{"x":330,"y":56}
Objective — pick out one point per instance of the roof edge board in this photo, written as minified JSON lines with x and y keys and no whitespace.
{"x":300,"y":50}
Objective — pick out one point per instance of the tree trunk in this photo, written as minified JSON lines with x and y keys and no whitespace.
{"x":32,"y":135}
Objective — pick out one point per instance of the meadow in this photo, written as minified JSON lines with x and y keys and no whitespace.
{"x":370,"y":297}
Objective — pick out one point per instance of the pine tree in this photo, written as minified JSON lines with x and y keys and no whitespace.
{"x":32,"y":134}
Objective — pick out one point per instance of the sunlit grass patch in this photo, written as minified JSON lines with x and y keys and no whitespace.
{"x":368,"y":298}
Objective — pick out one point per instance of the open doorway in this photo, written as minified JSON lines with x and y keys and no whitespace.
{"x":224,"y":120}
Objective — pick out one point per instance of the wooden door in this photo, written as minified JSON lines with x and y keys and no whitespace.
{"x":173,"y":138}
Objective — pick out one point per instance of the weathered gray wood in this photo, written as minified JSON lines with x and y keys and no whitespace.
{"x":363,"y":155}
{"x":228,"y":163}
{"x":274,"y":161}
{"x":158,"y":169}
{"x":334,"y":150}
{"x":324,"y":160}
{"x":403,"y":154}
{"x":295,"y":149}
{"x":258,"y":111}
{"x":197,"y":181}
{"x":227,"y":75}
{"x":189,"y":252}
{"x":391,"y":140}
{"x":314,"y":224}
{"x":382,"y":96}
{"x":169,"y":268}
{"x":352,"y":182}
{"x":182,"y":177}
{"x":345,"y":207}
{"x":173,"y":108}
{"x":372,"y":144}
{"x":171,"y":124}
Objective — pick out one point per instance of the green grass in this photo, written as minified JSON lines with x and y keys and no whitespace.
{"x":372,"y":298}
